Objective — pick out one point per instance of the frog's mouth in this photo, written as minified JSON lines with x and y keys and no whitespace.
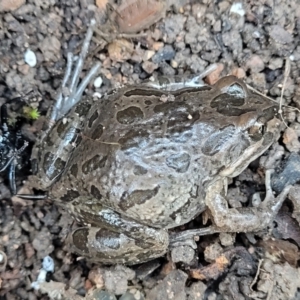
{"x":262,"y":136}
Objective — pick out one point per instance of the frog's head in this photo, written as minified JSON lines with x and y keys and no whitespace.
{"x":249,"y":128}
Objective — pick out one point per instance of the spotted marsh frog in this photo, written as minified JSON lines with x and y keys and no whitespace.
{"x":143,"y":160}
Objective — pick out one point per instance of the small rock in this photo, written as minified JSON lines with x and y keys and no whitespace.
{"x":214,"y":76}
{"x":116,"y":279}
{"x":163,"y":54}
{"x":30,"y":58}
{"x":50,"y":48}
{"x":103,"y":295}
{"x":149,"y":67}
{"x":275,"y":63}
{"x":217,"y":26}
{"x":120,"y":50}
{"x":98,"y":82}
{"x":196,"y":291}
{"x":258,"y":81}
{"x":212,"y":251}
{"x":255,"y":64}
{"x":290,"y":139}
{"x":24,"y":69}
{"x":239,"y":73}
{"x":172,"y":287}
{"x":237,"y":8}
{"x":48,"y":264}
{"x":127,"y":296}
{"x":280,"y":35}
{"x":183,"y":254}
{"x":227,"y":239}
{"x":174,"y":64}
{"x":166,"y":69}
{"x":157,"y":45}
{"x":148,"y":54}
{"x":289,"y":175}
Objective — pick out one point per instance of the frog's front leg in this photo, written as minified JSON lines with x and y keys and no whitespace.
{"x":245,"y":219}
{"x":112,"y":238}
{"x":71,"y":92}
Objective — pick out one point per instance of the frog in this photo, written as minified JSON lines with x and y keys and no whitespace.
{"x":143,"y":160}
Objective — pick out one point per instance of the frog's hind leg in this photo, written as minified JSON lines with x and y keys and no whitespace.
{"x":244,"y":219}
{"x":110,"y":238}
{"x":70,"y":92}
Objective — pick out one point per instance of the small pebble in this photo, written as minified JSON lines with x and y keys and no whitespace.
{"x":30,"y":58}
{"x":98,"y":82}
{"x":48,"y":264}
{"x":97,"y":95}
{"x":237,"y":8}
{"x":127,"y":296}
{"x":103,"y":295}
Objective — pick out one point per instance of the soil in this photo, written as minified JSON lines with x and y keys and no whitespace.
{"x":257,"y":41}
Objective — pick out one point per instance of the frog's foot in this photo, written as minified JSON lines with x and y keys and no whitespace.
{"x":71,"y":91}
{"x":111,"y":238}
{"x":178,"y":82}
{"x":245,"y":219}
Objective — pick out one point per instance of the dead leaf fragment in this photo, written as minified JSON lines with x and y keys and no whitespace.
{"x":211,"y":271}
{"x":133,"y":16}
{"x":10,"y":5}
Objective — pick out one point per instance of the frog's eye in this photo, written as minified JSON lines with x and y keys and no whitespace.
{"x":236,"y":90}
{"x":257,"y":131}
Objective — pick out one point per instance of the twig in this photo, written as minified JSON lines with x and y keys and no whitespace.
{"x":287,"y":70}
{"x":257,"y":273}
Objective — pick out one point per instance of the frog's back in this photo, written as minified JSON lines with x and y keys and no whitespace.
{"x":141,"y":156}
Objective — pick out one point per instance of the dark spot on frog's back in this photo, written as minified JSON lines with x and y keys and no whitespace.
{"x":70,"y":196}
{"x":83,"y":108}
{"x":96,"y":193}
{"x":169,"y":108}
{"x":74,"y":170}
{"x":139,"y":170}
{"x":93,"y":118}
{"x":179,"y":162}
{"x":94,"y":163}
{"x":130,"y":115}
{"x":97,"y":133}
{"x":134,"y":138}
{"x":53,"y":168}
{"x":144,"y":92}
{"x":137,"y":197}
{"x":61,"y":128}
{"x":80,"y":239}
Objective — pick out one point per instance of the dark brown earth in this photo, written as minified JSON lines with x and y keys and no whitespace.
{"x":255,"y":40}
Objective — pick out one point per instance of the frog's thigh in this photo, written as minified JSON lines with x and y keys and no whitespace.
{"x":111,"y":238}
{"x":244,"y":219}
